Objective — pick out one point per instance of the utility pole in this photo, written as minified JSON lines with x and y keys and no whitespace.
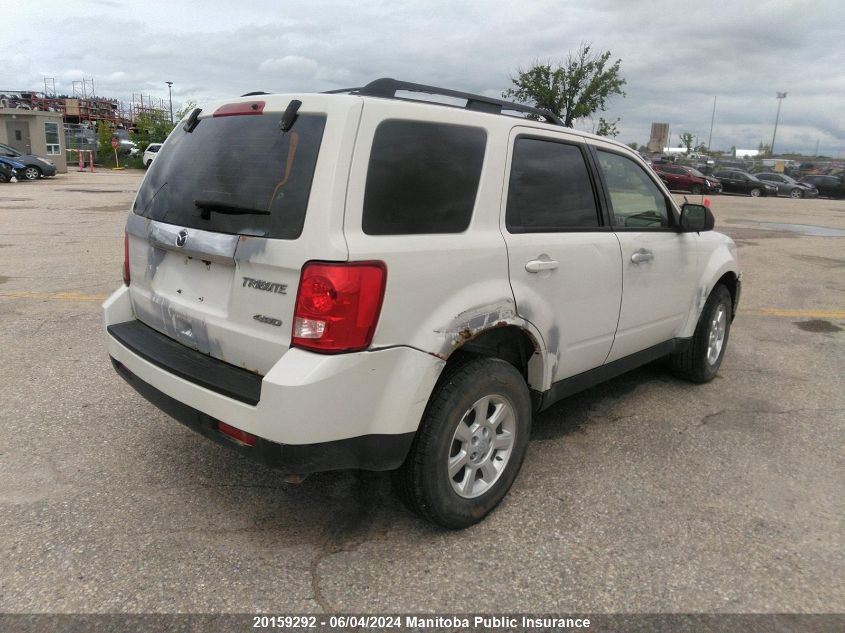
{"x":712,"y":118}
{"x":780,"y":97}
{"x":170,"y":98}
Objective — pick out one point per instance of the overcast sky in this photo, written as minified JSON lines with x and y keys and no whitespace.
{"x":676,"y":56}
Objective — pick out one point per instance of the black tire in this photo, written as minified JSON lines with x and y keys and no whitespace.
{"x":796,"y":193}
{"x":3,"y":177}
{"x":423,"y":481}
{"x":692,"y":363}
{"x":147,"y":164}
{"x":695,"y":190}
{"x":32,"y":172}
{"x":755,"y":192}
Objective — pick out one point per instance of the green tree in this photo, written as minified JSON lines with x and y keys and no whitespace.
{"x":104,"y":135}
{"x":150,"y":127}
{"x":607,"y":128}
{"x":701,"y":148}
{"x":186,"y":109}
{"x":634,"y":145}
{"x":577,"y":88}
{"x":688,"y":139}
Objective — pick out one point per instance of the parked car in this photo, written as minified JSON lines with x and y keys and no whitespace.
{"x":326,"y":281}
{"x":829,"y":186}
{"x":787,"y":186}
{"x":734,"y":181}
{"x":683,"y":178}
{"x":150,"y":153}
{"x":34,"y":166}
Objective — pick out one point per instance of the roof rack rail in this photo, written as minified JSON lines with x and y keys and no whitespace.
{"x":252,"y":94}
{"x":387,"y":88}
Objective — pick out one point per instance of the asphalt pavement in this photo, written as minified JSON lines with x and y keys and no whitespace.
{"x":645,"y":494}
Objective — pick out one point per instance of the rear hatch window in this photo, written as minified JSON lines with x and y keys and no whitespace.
{"x":240,"y":175}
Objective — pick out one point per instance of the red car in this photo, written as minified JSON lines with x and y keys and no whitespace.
{"x":678,"y":177}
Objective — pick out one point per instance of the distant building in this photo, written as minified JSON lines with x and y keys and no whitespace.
{"x":747,"y":153}
{"x":659,"y":137}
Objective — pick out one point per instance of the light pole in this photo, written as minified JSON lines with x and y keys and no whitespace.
{"x":780,"y":97}
{"x":170,"y":98}
{"x":712,"y":118}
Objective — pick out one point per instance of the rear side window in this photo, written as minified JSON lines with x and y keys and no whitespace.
{"x":237,"y":174}
{"x":550,"y":188}
{"x":422,"y":178}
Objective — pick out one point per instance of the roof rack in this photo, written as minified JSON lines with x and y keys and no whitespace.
{"x":387,"y":88}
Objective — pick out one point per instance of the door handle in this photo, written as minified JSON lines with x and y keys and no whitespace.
{"x":536,"y":265}
{"x":641,"y":256}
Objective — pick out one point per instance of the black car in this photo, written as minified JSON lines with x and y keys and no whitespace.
{"x":735,"y":181}
{"x":788,"y":186}
{"x":34,"y":166}
{"x":830,"y":186}
{"x":6,"y":172}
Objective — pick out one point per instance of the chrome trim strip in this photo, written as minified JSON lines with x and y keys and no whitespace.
{"x":205,"y":245}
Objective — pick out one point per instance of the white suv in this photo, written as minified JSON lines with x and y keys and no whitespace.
{"x":150,"y":153}
{"x":371,"y":280}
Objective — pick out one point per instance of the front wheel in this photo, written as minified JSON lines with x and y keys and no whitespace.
{"x":796,"y":193}
{"x":32,"y":173}
{"x":470,"y":444}
{"x":702,"y":357}
{"x":695,"y":190}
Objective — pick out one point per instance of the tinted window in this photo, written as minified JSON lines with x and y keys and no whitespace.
{"x":636,"y":199}
{"x":549,"y":189}
{"x":235,"y":174}
{"x":422,"y":178}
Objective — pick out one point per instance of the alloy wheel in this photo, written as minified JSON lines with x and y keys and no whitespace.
{"x":481,"y":446}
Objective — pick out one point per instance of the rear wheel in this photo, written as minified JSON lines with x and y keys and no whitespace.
{"x":470,"y":444}
{"x":702,"y":358}
{"x":796,"y":193}
{"x":3,"y":177}
{"x":32,"y":173}
{"x":755,"y":193}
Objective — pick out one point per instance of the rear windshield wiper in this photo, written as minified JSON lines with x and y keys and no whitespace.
{"x":209,"y":206}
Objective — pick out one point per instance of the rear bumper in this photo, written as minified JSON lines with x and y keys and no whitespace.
{"x":310,"y":412}
{"x":367,"y":452}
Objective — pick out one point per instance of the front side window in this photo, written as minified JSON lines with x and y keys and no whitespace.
{"x":636,"y":200}
{"x":422,"y":178}
{"x":51,"y":132}
{"x":550,"y":188}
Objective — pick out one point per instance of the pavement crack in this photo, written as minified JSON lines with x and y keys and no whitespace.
{"x":357,"y":523}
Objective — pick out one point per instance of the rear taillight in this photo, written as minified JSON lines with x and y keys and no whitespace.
{"x":338,"y":305}
{"x":126,"y":258}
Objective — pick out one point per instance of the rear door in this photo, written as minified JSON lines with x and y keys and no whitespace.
{"x":226,"y":217}
{"x":565,"y":266}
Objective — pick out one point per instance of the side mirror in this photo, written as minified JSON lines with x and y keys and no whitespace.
{"x":696,"y":218}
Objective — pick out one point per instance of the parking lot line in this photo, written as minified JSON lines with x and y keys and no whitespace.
{"x":55,"y":296}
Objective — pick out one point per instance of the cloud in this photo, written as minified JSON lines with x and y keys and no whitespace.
{"x":675,"y":56}
{"x":292,"y":64}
